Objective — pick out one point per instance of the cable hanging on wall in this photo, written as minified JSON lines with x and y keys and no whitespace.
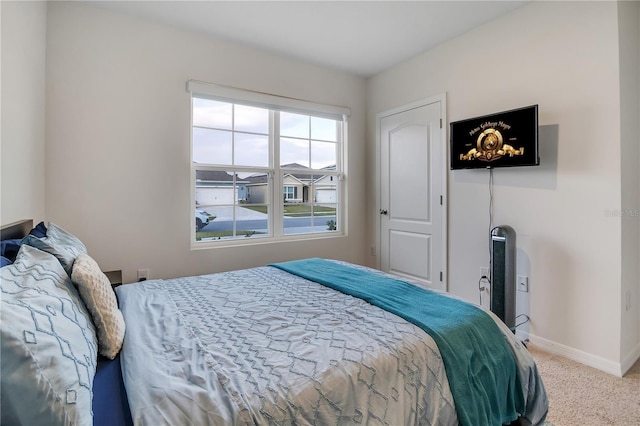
{"x":490,"y":211}
{"x":485,"y":281}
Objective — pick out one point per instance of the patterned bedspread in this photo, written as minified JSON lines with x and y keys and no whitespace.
{"x":261,"y":346}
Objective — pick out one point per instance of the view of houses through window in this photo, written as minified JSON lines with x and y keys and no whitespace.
{"x":261,"y":172}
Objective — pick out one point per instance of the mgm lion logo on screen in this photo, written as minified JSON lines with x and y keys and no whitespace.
{"x":490,"y":145}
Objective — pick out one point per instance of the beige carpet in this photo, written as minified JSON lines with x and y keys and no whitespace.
{"x":583,"y":396}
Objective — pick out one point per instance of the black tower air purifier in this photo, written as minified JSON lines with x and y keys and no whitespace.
{"x":503,"y":274}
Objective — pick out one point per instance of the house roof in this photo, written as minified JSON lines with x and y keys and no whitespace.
{"x":305,"y":176}
{"x":216,"y":176}
{"x":257,"y":178}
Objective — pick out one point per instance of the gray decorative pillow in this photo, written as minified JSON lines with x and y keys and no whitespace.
{"x":97,"y":294}
{"x":49,"y":347}
{"x":60,"y":243}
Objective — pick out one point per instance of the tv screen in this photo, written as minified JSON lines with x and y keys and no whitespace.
{"x":503,"y":139}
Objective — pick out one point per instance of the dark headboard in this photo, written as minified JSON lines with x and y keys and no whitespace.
{"x":17,"y":229}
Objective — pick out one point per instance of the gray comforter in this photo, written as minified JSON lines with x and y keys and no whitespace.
{"x":261,"y":346}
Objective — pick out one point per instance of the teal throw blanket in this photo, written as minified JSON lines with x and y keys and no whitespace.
{"x":480,"y":366}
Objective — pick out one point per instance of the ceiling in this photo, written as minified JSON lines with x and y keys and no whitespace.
{"x":359,"y":37}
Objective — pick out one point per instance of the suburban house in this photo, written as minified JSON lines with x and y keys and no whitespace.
{"x":325,"y":189}
{"x":96,"y":138}
{"x":296,"y":186}
{"x":216,"y":187}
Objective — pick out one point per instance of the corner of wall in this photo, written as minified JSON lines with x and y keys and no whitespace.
{"x":23,"y":77}
{"x":629,"y":52}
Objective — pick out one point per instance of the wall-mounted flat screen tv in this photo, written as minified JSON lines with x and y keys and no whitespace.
{"x":503,"y":139}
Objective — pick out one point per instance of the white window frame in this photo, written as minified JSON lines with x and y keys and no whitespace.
{"x":289,"y":191}
{"x":276,"y":213}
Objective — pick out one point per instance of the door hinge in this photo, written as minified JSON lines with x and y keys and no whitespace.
{"x":441,"y":123}
{"x":441,"y":200}
{"x":440,"y":275}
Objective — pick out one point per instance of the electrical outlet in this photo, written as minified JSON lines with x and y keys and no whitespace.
{"x":372,"y":250}
{"x":523,"y":283}
{"x":484,"y":271}
{"x":143,"y":274}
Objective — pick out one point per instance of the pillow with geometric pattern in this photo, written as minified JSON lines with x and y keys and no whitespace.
{"x":62,"y":244}
{"x":100,"y":299}
{"x":49,"y":347}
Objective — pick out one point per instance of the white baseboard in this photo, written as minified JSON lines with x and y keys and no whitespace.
{"x":614,"y":368}
{"x":631,"y":359}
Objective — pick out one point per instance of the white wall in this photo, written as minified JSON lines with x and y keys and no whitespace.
{"x":23,"y":110}
{"x":118,"y":153}
{"x":564,"y":57}
{"x":117,"y":156}
{"x":629,"y":30}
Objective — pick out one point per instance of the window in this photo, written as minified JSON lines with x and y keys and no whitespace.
{"x":289,"y":193}
{"x":264,"y":167}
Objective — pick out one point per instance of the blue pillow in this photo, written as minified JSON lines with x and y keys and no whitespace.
{"x":9,"y":248}
{"x":4,"y":261}
{"x":60,"y":243}
{"x":40,"y":231}
{"x":49,"y":346}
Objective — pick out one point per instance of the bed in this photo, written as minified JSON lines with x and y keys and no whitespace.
{"x":311,"y":341}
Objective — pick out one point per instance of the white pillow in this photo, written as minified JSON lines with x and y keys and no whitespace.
{"x":96,"y":292}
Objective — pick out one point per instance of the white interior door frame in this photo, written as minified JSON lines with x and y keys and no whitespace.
{"x":442,"y":99}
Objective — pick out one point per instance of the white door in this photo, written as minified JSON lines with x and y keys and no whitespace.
{"x":412,"y":167}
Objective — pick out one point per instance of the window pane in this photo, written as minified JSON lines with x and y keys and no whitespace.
{"x":208,"y":113}
{"x":309,"y":218}
{"x":297,"y":210}
{"x":328,"y":217}
{"x":323,"y":154}
{"x":326,"y":191}
{"x":215,"y":188}
{"x":294,"y":151}
{"x":324,"y":129}
{"x":252,"y":221}
{"x":257,"y":189}
{"x":325,"y":217}
{"x":294,"y":125}
{"x":235,"y":209}
{"x":251,"y":150}
{"x":211,"y":146}
{"x":251,"y":119}
{"x":297,"y":218}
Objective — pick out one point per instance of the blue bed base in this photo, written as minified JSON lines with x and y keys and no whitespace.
{"x":110,"y":405}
